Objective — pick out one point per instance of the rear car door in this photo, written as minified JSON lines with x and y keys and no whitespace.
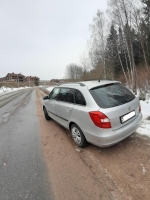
{"x":50,"y":104}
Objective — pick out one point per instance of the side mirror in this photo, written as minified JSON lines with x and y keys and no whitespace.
{"x":46,"y":97}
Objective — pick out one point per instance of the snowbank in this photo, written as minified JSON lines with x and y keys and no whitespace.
{"x":8,"y":90}
{"x":49,"y":89}
{"x":144,"y":128}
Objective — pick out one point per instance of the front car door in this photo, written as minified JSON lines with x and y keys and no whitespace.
{"x":50,"y":104}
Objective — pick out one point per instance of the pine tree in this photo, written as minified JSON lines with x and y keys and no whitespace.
{"x":112,"y":60}
{"x":146,"y":26}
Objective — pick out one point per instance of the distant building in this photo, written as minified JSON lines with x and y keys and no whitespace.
{"x":54,"y":80}
{"x":2,"y":79}
{"x":15,"y":77}
{"x":57,"y":81}
{"x":12,"y":77}
{"x":32,"y":79}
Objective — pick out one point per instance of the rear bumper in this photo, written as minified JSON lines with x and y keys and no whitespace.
{"x":105,"y":138}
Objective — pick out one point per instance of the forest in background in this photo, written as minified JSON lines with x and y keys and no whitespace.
{"x":118,"y":49}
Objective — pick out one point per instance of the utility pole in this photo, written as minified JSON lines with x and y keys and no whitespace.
{"x":18,"y":81}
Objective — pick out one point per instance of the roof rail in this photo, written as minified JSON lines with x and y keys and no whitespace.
{"x":98,"y":79}
{"x":81,"y":84}
{"x":105,"y":79}
{"x":91,"y":80}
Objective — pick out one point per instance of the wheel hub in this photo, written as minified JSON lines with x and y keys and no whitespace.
{"x":76,"y":135}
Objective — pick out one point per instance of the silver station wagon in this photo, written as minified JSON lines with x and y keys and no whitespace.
{"x":100,"y":112}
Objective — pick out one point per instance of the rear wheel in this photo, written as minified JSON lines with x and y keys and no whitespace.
{"x":47,"y":117}
{"x":78,"y":136}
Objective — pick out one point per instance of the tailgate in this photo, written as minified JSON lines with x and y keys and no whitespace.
{"x":122,"y":115}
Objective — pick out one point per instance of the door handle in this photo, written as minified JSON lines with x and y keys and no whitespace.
{"x":68,"y":109}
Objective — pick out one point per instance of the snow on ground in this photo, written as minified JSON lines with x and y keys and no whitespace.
{"x":49,"y":89}
{"x":4,"y":90}
{"x":144,"y":128}
{"x":46,"y":88}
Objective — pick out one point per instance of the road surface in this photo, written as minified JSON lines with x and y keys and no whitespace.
{"x":39,"y":160}
{"x":23,"y":173}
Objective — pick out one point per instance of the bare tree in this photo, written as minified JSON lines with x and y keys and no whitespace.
{"x":122,"y":12}
{"x":138,"y":24}
{"x":98,"y":40}
{"x":73,"y":72}
{"x":86,"y":63}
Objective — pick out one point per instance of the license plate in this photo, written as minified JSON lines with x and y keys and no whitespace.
{"x":127,"y":116}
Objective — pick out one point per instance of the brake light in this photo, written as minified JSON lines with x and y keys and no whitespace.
{"x":100,"y":119}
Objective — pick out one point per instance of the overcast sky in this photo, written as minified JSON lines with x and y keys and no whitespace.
{"x":40,"y":37}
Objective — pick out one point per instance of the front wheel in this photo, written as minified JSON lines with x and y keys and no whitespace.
{"x":78,"y":136}
{"x":47,"y":117}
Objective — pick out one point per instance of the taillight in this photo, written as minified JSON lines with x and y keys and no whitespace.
{"x":100,"y":119}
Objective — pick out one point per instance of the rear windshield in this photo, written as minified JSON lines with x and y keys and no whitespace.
{"x":111,"y":95}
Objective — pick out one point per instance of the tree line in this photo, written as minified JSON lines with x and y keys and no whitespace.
{"x":119,"y":48}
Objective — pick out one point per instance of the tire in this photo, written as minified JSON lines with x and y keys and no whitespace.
{"x":47,"y":117}
{"x":78,"y":136}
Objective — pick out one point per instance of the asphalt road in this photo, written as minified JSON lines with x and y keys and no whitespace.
{"x":5,"y":98}
{"x":23,"y":172}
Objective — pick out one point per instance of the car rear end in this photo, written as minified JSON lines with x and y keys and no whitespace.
{"x":119,"y":114}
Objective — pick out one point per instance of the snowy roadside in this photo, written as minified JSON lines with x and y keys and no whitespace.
{"x":4,"y":90}
{"x":48,"y":89}
{"x":144,"y":128}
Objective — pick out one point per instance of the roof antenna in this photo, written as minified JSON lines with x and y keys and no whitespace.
{"x":100,"y":77}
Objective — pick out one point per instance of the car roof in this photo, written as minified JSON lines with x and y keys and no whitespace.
{"x":88,"y":84}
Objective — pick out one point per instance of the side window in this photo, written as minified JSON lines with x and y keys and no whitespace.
{"x":71,"y":96}
{"x":66,"y":95}
{"x":54,"y":94}
{"x":79,"y":99}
